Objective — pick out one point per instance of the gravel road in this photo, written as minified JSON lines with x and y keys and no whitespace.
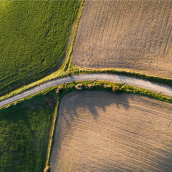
{"x":160,"y":88}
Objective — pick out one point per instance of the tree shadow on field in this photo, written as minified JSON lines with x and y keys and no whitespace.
{"x":88,"y":112}
{"x":94,"y":101}
{"x":79,"y":105}
{"x":91,"y":101}
{"x":166,"y":162}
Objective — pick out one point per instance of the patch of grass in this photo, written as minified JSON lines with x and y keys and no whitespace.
{"x":34,"y":35}
{"x":24,"y":134}
{"x":52,"y":132}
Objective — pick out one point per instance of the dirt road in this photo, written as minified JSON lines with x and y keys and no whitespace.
{"x":163,"y":89}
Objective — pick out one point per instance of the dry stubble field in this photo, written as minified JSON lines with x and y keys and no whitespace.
{"x":135,"y":35}
{"x":102,"y":131}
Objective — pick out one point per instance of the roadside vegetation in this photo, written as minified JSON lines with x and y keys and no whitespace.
{"x":73,"y":70}
{"x":34,"y":36}
{"x":111,"y":87}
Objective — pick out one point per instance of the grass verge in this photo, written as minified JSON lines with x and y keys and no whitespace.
{"x":113,"y":87}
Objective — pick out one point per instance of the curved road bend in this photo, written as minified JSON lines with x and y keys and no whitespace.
{"x":160,"y":88}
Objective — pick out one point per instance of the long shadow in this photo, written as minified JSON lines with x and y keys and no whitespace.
{"x":93,"y":103}
{"x":67,"y":115}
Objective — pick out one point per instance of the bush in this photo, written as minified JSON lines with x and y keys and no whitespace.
{"x":58,"y":91}
{"x":90,"y":86}
{"x":79,"y":87}
{"x":116,"y":89}
{"x":47,"y":169}
{"x":107,"y":86}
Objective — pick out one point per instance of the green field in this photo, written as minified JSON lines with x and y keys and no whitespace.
{"x":33,"y":36}
{"x":24,"y":133}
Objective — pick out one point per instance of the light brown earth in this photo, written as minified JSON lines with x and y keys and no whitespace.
{"x":134,"y":35}
{"x":101,"y":131}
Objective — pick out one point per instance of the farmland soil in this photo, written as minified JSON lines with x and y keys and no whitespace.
{"x":134,"y":35}
{"x":102,"y":131}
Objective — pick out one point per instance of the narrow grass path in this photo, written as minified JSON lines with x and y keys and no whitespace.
{"x":159,"y":88}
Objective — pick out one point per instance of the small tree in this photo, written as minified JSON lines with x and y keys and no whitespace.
{"x":79,"y":87}
{"x":47,"y":169}
{"x":90,"y":86}
{"x":116,"y":89}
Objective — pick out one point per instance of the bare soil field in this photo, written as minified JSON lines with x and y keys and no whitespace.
{"x":102,"y":131}
{"x":134,"y":35}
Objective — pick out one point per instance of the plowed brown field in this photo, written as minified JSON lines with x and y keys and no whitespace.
{"x":101,"y":131}
{"x":135,"y":35}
